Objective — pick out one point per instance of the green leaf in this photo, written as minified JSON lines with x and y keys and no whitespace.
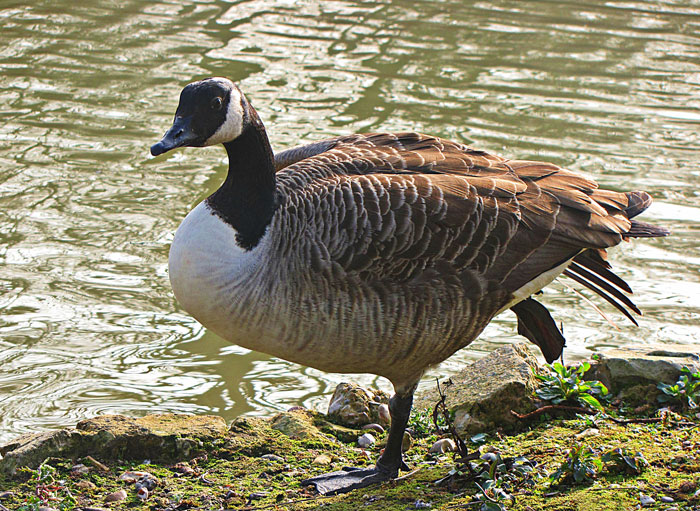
{"x":589,"y":400}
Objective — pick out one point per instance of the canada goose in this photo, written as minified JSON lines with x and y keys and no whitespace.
{"x":381,"y":253}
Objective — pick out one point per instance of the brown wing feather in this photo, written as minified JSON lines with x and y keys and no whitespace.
{"x":394,"y":205}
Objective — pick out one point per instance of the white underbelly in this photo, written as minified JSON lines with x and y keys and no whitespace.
{"x":211,"y":275}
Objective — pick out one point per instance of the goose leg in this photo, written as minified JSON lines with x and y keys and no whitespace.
{"x":388,"y":465}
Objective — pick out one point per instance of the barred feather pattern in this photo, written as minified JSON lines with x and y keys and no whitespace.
{"x":389,"y":252}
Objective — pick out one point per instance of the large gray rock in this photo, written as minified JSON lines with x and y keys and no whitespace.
{"x":483,"y":394}
{"x":645,"y":364}
{"x":161,"y":437}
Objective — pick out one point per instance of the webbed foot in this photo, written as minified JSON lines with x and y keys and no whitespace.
{"x":348,"y":479}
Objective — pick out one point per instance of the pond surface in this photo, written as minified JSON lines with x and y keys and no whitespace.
{"x":89,"y":324}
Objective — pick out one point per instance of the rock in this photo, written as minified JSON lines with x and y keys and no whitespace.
{"x":406,"y":441}
{"x":142,"y":493}
{"x":79,"y":469}
{"x":6,"y":495}
{"x":86,"y":485}
{"x":384,"y":415}
{"x":366,"y":440}
{"x":163,"y":437}
{"x":647,"y":363}
{"x":374,"y":427}
{"x":666,"y":499}
{"x":322,"y":459}
{"x":482,"y":395}
{"x":116,"y":496}
{"x":131,"y":476}
{"x":352,"y":405}
{"x":297,"y":425}
{"x":645,"y":500}
{"x":442,"y":446}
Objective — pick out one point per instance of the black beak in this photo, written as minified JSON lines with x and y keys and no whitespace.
{"x":179,"y":135}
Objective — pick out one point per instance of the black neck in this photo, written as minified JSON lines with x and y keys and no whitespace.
{"x":246,"y":199}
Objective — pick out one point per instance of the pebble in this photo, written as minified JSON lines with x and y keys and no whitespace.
{"x":666,"y":499}
{"x":366,"y":440}
{"x":443,"y":445}
{"x":85,"y":485}
{"x":258,"y":495}
{"x":142,"y":493}
{"x":116,"y":496}
{"x":44,"y":508}
{"x":384,"y":414}
{"x":322,"y":459}
{"x":374,"y":427}
{"x":420,"y":504}
{"x":272,"y":457}
{"x":406,"y":442}
{"x":79,"y":469}
{"x":132,"y":476}
{"x":489,"y":456}
{"x":6,"y":495}
{"x":183,"y":468}
{"x":148,"y":481}
{"x":645,"y":500}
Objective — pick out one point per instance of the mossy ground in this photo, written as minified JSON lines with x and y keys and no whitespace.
{"x":232,"y":474}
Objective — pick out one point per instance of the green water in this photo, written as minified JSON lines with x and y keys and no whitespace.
{"x":88,"y":322}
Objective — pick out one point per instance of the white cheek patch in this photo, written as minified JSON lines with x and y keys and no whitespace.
{"x":233,"y":123}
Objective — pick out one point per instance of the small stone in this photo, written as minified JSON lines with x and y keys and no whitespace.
{"x":384,"y":415}
{"x":45,"y":508}
{"x":420,"y":504}
{"x":406,"y":442}
{"x":489,"y":456}
{"x":674,"y":508}
{"x":86,"y":485}
{"x":646,"y":500}
{"x":374,"y":427}
{"x":116,"y":496}
{"x":666,"y":499}
{"x":142,"y":493}
{"x":272,"y":457}
{"x":6,"y":495}
{"x":183,"y":468}
{"x":148,"y":481}
{"x":587,"y":433}
{"x":131,"y":476}
{"x":443,"y":445}
{"x":258,"y":495}
{"x":696,"y":494}
{"x":79,"y":469}
{"x":322,"y":459}
{"x":366,"y":440}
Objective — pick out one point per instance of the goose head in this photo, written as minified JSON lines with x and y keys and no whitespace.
{"x":211,"y":111}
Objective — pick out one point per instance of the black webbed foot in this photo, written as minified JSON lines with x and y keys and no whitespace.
{"x":348,"y":479}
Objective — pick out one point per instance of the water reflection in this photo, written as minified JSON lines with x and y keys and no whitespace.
{"x":89,"y":324}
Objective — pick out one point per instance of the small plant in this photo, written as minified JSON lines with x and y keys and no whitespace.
{"x":685,"y":391}
{"x":566,"y":385}
{"x":48,"y":491}
{"x":421,"y":424}
{"x":582,"y":463}
{"x":626,"y":462}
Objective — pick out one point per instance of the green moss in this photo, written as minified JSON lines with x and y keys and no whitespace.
{"x":232,"y":474}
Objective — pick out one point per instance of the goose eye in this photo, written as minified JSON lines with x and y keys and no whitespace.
{"x":216,"y":103}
